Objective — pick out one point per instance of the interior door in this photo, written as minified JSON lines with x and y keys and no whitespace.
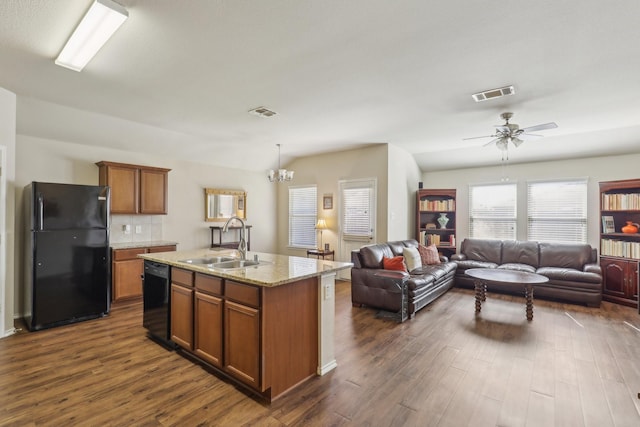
{"x":357,"y":213}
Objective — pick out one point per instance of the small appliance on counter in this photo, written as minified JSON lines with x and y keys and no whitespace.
{"x":67,"y":274}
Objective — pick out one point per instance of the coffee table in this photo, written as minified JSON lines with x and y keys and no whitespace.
{"x":482,"y":275}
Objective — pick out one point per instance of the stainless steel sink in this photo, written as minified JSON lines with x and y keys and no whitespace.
{"x":236,"y":263}
{"x":208,"y":260}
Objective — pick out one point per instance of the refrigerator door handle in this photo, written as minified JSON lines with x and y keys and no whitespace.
{"x":40,"y":212}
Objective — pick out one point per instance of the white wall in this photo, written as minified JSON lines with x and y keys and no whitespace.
{"x":404,"y":175}
{"x":325,"y":170}
{"x":7,"y":216}
{"x":54,"y":161}
{"x":595,"y":169}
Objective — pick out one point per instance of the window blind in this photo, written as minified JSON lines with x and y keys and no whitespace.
{"x":357,"y":210}
{"x":557,"y":211}
{"x":492,"y":211}
{"x":303,"y":215}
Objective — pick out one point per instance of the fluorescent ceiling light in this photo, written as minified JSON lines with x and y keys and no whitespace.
{"x":102,"y":19}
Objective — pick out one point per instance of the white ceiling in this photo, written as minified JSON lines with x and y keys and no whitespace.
{"x":179,"y":77}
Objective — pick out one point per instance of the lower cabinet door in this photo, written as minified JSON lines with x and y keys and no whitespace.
{"x":208,"y":328}
{"x":182,"y":316}
{"x":127,"y":278}
{"x":242,"y":343}
{"x":614,"y":277}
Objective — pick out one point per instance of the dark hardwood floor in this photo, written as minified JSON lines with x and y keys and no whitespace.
{"x":570,"y":366}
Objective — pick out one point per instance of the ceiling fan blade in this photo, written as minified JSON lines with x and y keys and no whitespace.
{"x":544,"y":126}
{"x":478,"y":137}
{"x":492,"y":141}
{"x":529,"y":136}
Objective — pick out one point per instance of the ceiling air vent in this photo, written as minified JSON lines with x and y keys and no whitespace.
{"x":493,"y":93}
{"x":262,"y":112}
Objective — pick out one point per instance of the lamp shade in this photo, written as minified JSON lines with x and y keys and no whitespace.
{"x":321,"y":225}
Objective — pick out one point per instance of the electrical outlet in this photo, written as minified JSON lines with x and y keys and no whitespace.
{"x":138,"y":229}
{"x":126,"y":229}
{"x":327,"y":291}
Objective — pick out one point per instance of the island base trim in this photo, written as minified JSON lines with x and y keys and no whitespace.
{"x":322,"y":370}
{"x":326,"y":322}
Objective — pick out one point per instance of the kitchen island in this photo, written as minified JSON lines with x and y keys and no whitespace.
{"x":268,"y":327}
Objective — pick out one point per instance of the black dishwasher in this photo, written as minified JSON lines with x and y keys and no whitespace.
{"x":156,"y":291}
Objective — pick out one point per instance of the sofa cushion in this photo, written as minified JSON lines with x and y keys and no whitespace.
{"x":395,"y":263}
{"x":371,"y":255}
{"x":412,"y":258}
{"x":466,"y":264}
{"x":397,"y":247}
{"x":564,"y":255}
{"x":429,"y":254}
{"x":437,"y":271}
{"x":520,"y":252}
{"x":517,"y":267}
{"x":568,"y":275}
{"x":482,"y":250}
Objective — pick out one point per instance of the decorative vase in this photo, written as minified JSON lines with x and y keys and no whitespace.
{"x":443,"y":220}
{"x":630,"y":228}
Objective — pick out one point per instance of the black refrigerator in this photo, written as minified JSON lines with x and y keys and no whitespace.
{"x":67,"y":265}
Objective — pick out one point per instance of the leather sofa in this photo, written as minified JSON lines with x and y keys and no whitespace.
{"x":573,"y":270}
{"x":373,"y":286}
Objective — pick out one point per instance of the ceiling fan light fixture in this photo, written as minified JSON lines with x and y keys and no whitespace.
{"x":485,"y":95}
{"x":516,"y":141}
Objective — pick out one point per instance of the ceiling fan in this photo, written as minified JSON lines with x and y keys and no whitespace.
{"x":512,"y":132}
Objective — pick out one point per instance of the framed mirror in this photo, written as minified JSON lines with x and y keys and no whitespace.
{"x":220,"y":205}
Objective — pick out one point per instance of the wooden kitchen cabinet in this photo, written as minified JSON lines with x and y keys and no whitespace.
{"x":208,"y":319}
{"x":127,"y":270}
{"x":182,"y":307}
{"x":242,"y":342}
{"x":264,"y":338}
{"x":135,"y":189}
{"x":620,"y":280}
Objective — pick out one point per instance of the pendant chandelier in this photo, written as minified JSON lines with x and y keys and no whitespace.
{"x":280,"y":175}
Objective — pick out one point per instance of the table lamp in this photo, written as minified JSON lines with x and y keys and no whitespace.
{"x":321,"y":225}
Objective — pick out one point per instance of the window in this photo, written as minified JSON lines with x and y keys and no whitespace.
{"x":492,"y":211}
{"x":303,"y":213}
{"x":557,"y":211}
{"x":358,"y":209}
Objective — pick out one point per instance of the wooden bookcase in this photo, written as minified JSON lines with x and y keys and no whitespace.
{"x":431,"y":204}
{"x":619,"y":252}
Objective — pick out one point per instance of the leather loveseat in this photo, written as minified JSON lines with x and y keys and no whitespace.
{"x":373,"y":286}
{"x":573,"y":270}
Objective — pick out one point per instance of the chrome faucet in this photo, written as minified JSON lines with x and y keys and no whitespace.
{"x":242,"y":246}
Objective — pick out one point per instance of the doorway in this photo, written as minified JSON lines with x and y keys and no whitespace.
{"x":357,"y":217}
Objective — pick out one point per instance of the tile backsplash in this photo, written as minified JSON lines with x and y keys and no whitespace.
{"x":135,"y":228}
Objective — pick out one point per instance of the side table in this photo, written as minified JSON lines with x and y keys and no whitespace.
{"x":321,"y":253}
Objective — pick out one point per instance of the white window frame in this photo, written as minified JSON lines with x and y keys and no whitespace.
{"x":508,"y":216}
{"x":367,"y":231}
{"x":557,"y":210}
{"x":302,"y":232}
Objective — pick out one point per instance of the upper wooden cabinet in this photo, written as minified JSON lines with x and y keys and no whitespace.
{"x":135,"y":189}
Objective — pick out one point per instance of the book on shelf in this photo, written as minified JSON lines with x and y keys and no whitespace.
{"x":608,"y":225}
{"x":620,"y":248}
{"x":431,"y":239}
{"x":620,"y":202}
{"x":438,"y":205}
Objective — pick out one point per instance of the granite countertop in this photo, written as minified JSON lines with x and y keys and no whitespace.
{"x":276,"y":270}
{"x":147,"y":244}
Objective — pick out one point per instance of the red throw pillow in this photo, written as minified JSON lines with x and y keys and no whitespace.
{"x":429,"y":254}
{"x":395,"y":263}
